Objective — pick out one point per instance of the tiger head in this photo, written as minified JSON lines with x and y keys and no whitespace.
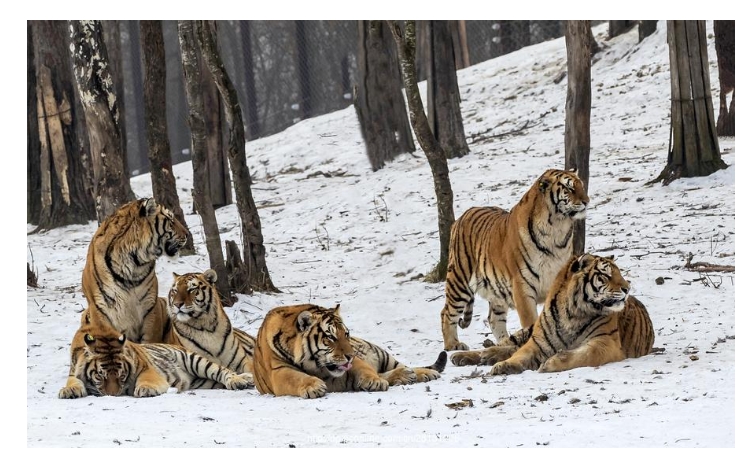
{"x":600,"y":283}
{"x":107,"y":368}
{"x":321,"y":341}
{"x":192,"y":295}
{"x":168,"y":235}
{"x":564,"y":193}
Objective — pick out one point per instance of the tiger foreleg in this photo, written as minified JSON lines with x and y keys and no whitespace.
{"x":527,"y":357}
{"x":150,"y":383}
{"x":366,"y":378}
{"x":497,"y":318}
{"x":400,"y":376}
{"x":486,"y":357}
{"x":290,"y":381}
{"x":594,"y":353}
{"x":74,"y":388}
{"x":524,"y":298}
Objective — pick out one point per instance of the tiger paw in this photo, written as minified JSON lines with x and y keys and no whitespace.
{"x":496,"y":354}
{"x":466,"y":358}
{"x":401,"y":376}
{"x":450,"y":346}
{"x":240,"y":381}
{"x":75,"y":391}
{"x":425,"y":375}
{"x":313,"y":388}
{"x":372,"y":383}
{"x":556,"y":363}
{"x":149,"y":390}
{"x":506,"y":368}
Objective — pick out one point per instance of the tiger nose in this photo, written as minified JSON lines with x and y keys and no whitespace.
{"x":178,"y":303}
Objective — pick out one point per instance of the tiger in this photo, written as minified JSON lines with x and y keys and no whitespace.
{"x":589,"y":319}
{"x":110,"y":364}
{"x":511,"y":258}
{"x":199,"y":324}
{"x":306,"y":351}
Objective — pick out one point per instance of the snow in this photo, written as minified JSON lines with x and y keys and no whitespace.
{"x":328,"y":242}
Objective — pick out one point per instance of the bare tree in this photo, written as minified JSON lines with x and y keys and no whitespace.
{"x":196,"y":108}
{"x":514,"y":35}
{"x":406,"y":44}
{"x":694,"y":144}
{"x":379,"y":102}
{"x":63,"y":193}
{"x":33,"y":145}
{"x":646,"y":28}
{"x":460,"y":43}
{"x":155,"y":105}
{"x":724,"y":32}
{"x":100,"y":104}
{"x":248,"y":66}
{"x":113,"y":41}
{"x":578,"y":111}
{"x":618,"y":27}
{"x":139,"y":145}
{"x":443,"y":97}
{"x":254,"y":251}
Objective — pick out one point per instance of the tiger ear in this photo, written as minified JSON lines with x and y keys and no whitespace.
{"x":574,"y":171}
{"x":543,"y":184}
{"x":581,"y":262}
{"x":175,"y":275}
{"x":304,"y":321}
{"x":210,"y":276}
{"x":148,"y":207}
{"x":336,"y":310}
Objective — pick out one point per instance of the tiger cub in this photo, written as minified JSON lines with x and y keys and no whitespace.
{"x":198,"y":323}
{"x":306,"y":351}
{"x":588,"y":320}
{"x":108,"y":364}
{"x":511,"y":257}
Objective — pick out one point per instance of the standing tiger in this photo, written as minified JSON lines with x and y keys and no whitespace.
{"x":119,"y":281}
{"x":511,"y":258}
{"x":200,"y":324}
{"x":306,"y":351}
{"x":111,"y":365}
{"x":588,"y":320}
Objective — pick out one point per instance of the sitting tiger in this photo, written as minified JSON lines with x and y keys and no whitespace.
{"x":306,"y":351}
{"x":511,"y":258}
{"x":119,"y":281}
{"x":111,"y":365}
{"x":588,"y":320}
{"x":199,"y":323}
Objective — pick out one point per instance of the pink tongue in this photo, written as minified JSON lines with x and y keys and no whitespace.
{"x":345,"y":367}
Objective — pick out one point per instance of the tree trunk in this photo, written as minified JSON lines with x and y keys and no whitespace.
{"x":63,"y":194}
{"x":460,"y":43}
{"x":646,"y":28}
{"x":177,"y":112}
{"x":254,"y":251}
{"x":443,"y":98}
{"x":155,"y":105}
{"x":201,"y":195}
{"x":618,"y":27}
{"x":694,"y":148}
{"x":378,"y":99}
{"x":33,"y":145}
{"x":140,"y":152}
{"x":724,"y":32}
{"x":113,"y":41}
{"x":101,"y":106}
{"x":303,"y":69}
{"x":406,"y":44}
{"x":514,"y":35}
{"x":578,"y":112}
{"x":248,"y":64}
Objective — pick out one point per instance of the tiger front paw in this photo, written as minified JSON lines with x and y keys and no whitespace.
{"x":506,"y":368}
{"x":402,"y":376}
{"x":150,"y":390}
{"x":472,"y":358}
{"x":372,"y":383}
{"x":75,"y":391}
{"x":455,"y":345}
{"x":313,"y":388}
{"x":496,"y":354}
{"x":425,"y":375}
{"x":557,"y":363}
{"x":240,"y":381}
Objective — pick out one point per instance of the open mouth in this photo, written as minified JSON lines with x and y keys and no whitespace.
{"x":610,"y":302}
{"x":338,"y":368}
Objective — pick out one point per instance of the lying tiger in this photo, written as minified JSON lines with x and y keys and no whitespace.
{"x":306,"y":351}
{"x":111,"y":365}
{"x":588,"y":320}
{"x":511,"y":257}
{"x":199,"y":324}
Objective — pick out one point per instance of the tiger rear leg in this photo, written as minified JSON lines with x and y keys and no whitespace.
{"x":458,"y":310}
{"x":486,"y":357}
{"x":497,"y":319}
{"x":596,"y":352}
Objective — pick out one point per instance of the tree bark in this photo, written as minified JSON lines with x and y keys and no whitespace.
{"x":63,"y":194}
{"x":724,"y":32}
{"x":248,"y":64}
{"x":514,"y":35}
{"x":155,"y":105}
{"x":33,"y":145}
{"x":140,"y":152}
{"x":406,"y":44}
{"x":618,"y":27}
{"x":201,"y":195}
{"x":694,"y":145}
{"x":113,"y":41}
{"x":578,"y":112}
{"x":303,"y":69}
{"x":254,"y":251}
{"x":443,"y":97}
{"x":646,"y":28}
{"x":101,"y":106}
{"x":378,"y":99}
{"x":460,"y":43}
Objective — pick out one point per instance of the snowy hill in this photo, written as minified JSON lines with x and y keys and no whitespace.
{"x":361,"y":238}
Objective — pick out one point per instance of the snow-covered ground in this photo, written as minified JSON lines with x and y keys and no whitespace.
{"x":361,"y":239}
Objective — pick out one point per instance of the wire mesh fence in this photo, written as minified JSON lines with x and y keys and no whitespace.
{"x":287,"y":71}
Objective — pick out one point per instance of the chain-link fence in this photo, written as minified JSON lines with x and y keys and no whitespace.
{"x":286,"y":71}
